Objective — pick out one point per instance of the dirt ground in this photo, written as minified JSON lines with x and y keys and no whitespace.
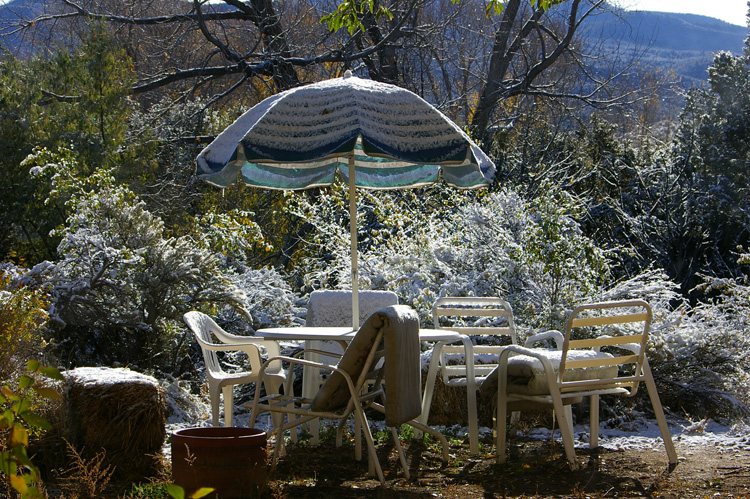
{"x":534,"y":470}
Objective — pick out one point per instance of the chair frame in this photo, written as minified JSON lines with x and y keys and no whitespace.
{"x":363,"y":394}
{"x":471,"y":374}
{"x":220,"y":382}
{"x":561,"y":391}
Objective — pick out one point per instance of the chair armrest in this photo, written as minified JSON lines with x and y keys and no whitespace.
{"x":271,"y":346}
{"x":300,"y":361}
{"x":247,"y":348}
{"x":552,"y":334}
{"x":322,"y":353}
{"x":304,"y":362}
{"x":502,"y":367}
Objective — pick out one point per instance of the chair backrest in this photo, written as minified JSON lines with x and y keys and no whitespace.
{"x":472,"y":316}
{"x":334,"y":307}
{"x":201,"y":325}
{"x":477,"y":316}
{"x":205,"y":329}
{"x":393,"y":333}
{"x":620,"y":328}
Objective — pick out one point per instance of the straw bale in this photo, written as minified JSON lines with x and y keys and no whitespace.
{"x":449,"y":406}
{"x":117,"y":411}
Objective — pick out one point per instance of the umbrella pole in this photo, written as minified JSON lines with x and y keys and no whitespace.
{"x":353,"y":229}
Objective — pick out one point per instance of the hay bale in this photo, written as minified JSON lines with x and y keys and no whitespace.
{"x":117,"y":411}
{"x":449,"y":406}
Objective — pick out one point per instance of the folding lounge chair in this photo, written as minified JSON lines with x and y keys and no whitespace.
{"x":381,"y":364}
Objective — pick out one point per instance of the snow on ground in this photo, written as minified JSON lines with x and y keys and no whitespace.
{"x":638,"y":433}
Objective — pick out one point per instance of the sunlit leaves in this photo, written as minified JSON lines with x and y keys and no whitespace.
{"x":177,"y":492}
{"x":20,"y":420}
{"x":348,"y":13}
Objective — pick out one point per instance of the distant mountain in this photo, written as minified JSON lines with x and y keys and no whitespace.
{"x":685,"y":43}
{"x":10,"y":13}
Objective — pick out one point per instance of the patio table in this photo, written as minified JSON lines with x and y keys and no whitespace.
{"x":342,"y":335}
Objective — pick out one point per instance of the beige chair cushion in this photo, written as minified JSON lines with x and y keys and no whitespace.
{"x":403,"y":366}
{"x":403,"y":382}
{"x":334,"y":394}
{"x":526,"y":374}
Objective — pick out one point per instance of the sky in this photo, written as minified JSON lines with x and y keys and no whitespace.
{"x":731,"y":11}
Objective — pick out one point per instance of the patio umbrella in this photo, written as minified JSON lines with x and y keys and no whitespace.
{"x":370,"y":134}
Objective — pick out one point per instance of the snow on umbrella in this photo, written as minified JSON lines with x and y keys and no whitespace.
{"x":370,"y":134}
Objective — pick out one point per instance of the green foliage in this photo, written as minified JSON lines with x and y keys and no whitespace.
{"x":22,"y":316}
{"x":234,"y":233}
{"x":89,"y":108}
{"x":18,"y":422}
{"x":712,"y":151}
{"x":74,"y":101}
{"x":347,"y":15}
{"x":349,"y":12}
{"x":178,"y":492}
{"x":148,"y":491}
{"x":19,"y":123}
{"x":163,"y":491}
{"x":572,"y":265}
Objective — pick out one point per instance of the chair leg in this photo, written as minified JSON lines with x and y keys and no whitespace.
{"x":659,"y":412}
{"x":357,"y":439}
{"x":273,"y":387}
{"x":569,"y":417}
{"x":565,"y":422}
{"x":471,"y":396}
{"x":594,"y":422}
{"x":372,"y":454}
{"x":340,"y":432}
{"x":426,"y":429}
{"x":278,"y":449}
{"x":214,"y":395}
{"x":400,"y":450}
{"x":502,"y":409}
{"x":227,"y":395}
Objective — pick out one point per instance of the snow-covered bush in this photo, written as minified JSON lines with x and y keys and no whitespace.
{"x":698,"y":353}
{"x":121,"y":284}
{"x":532,"y":253}
{"x":269,"y":301}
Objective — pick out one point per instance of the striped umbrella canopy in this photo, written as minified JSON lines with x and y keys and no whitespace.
{"x":369,"y":134}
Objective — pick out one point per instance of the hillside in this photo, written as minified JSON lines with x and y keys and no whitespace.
{"x":10,"y":13}
{"x":685,"y":43}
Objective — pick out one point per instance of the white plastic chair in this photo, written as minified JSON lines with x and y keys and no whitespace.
{"x":358,"y":382}
{"x":334,"y":308}
{"x":467,"y":365}
{"x":221,"y":382}
{"x":559,"y":377}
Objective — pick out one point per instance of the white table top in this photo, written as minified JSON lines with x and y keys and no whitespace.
{"x":342,"y":333}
